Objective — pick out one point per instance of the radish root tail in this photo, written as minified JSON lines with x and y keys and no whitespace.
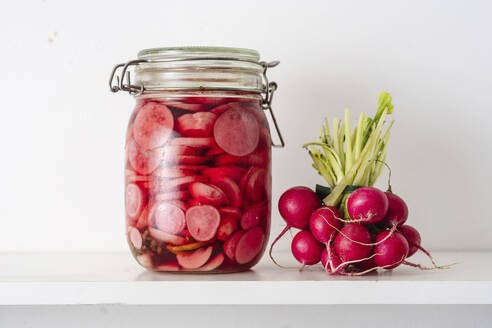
{"x":287,"y":228}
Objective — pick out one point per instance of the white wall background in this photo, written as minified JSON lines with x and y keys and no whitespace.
{"x":62,"y":131}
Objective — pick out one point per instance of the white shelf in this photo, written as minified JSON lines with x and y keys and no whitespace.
{"x":110,"y":278}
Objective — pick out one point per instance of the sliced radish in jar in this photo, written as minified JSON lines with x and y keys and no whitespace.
{"x":153,"y":125}
{"x":167,"y":217}
{"x":196,"y":125}
{"x":143,"y":161}
{"x":202,"y":222}
{"x":195,"y":259}
{"x":135,"y":237}
{"x":179,"y":183}
{"x":214,"y":151}
{"x":230,"y":245}
{"x":230,"y":211}
{"x":193,"y":202}
{"x":182,"y":195}
{"x":168,"y":266}
{"x":186,"y":106}
{"x":252,"y":217}
{"x":142,"y":221}
{"x":167,"y":237}
{"x":224,"y":108}
{"x":208,"y":194}
{"x":213,"y":264}
{"x":237,"y":132}
{"x":174,"y":150}
{"x":194,"y":142}
{"x":249,"y":245}
{"x":255,"y":187}
{"x":134,"y":200}
{"x":231,"y":190}
{"x":172,"y":172}
{"x":144,"y":260}
{"x":231,"y":171}
{"x":186,"y":159}
{"x":226,"y":228}
{"x":179,"y":203}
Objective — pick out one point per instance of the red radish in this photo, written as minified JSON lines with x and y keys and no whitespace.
{"x":249,"y":245}
{"x":305,"y":248}
{"x":166,"y":237}
{"x":167,"y":217}
{"x":208,"y":194}
{"x":142,"y":221}
{"x":330,"y":261}
{"x":295,"y":206}
{"x":237,"y":132}
{"x":134,"y":200}
{"x":213,"y":264}
{"x":194,"y":142}
{"x":143,"y":161}
{"x":397,"y":211}
{"x":255,"y":187}
{"x":179,"y":203}
{"x":186,"y":106}
{"x":252,"y":217}
{"x":168,"y":266}
{"x":226,"y":228}
{"x":367,"y":205}
{"x":144,"y":260}
{"x":413,"y":238}
{"x":230,"y":171}
{"x":196,"y":125}
{"x":194,"y":259}
{"x":153,"y":125}
{"x":230,"y":245}
{"x":230,"y":211}
{"x":324,"y":223}
{"x":202,"y":222}
{"x":230,"y":188}
{"x":391,"y":252}
{"x":135,"y":237}
{"x":181,"y":195}
{"x":367,"y":264}
{"x":349,"y":243}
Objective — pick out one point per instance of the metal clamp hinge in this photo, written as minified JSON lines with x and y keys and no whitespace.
{"x":267,"y":99}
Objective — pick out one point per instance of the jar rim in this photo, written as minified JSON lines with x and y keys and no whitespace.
{"x":190,"y":52}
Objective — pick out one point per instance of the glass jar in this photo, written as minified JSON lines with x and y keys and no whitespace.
{"x":198,"y":158}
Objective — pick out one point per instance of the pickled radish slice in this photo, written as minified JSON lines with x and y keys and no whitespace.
{"x":179,"y":183}
{"x":249,"y":245}
{"x":196,"y":125}
{"x":255,"y":187}
{"x":135,"y":237}
{"x":153,"y":125}
{"x":193,"y":202}
{"x":230,"y":211}
{"x":193,"y":142}
{"x":179,"y":203}
{"x":167,"y":217}
{"x":181,"y":195}
{"x":245,"y":178}
{"x":215,"y":150}
{"x":231,"y":190}
{"x":168,"y":266}
{"x":167,"y":237}
{"x":187,"y":106}
{"x":142,"y":221}
{"x":143,"y":161}
{"x":186,"y":159}
{"x":230,"y":244}
{"x":174,"y":150}
{"x":194,"y":259}
{"x":219,"y":110}
{"x":202,"y":222}
{"x":189,"y":247}
{"x":144,"y":260}
{"x":226,"y":159}
{"x":231,"y":171}
{"x":172,"y":172}
{"x":134,"y":200}
{"x":226,"y":228}
{"x":137,"y":178}
{"x":252,"y":217}
{"x":237,"y":132}
{"x":208,"y":194}
{"x":213,"y":264}
{"x":259,"y":157}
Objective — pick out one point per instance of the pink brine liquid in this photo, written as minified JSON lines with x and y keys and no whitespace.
{"x":198,"y":183}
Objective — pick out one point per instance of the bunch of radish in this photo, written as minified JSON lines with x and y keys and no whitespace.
{"x":372,"y":237}
{"x":198,"y":182}
{"x":353,"y":228}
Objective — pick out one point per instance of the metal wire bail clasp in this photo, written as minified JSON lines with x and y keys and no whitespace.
{"x":120,"y":84}
{"x":270,"y":88}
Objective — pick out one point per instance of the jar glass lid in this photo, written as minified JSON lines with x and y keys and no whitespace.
{"x":178,"y":53}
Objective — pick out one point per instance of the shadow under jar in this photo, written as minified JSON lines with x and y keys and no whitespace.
{"x":198,"y":158}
